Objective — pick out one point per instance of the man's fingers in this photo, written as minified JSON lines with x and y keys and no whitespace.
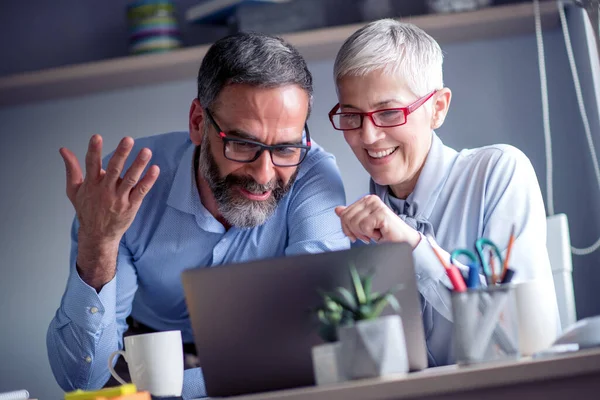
{"x":144,"y":185}
{"x":117,"y":161}
{"x":339,"y":210}
{"x":134,"y":172}
{"x":93,"y":158}
{"x":73,"y":172}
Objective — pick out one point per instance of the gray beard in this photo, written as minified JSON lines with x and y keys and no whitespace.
{"x":236,"y":209}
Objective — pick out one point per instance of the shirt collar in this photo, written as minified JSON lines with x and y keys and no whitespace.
{"x":431,"y":180}
{"x":184,"y":194}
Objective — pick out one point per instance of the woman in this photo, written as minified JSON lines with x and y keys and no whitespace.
{"x":391,"y":99}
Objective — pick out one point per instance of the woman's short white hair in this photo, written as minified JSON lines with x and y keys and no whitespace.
{"x":397,"y":48}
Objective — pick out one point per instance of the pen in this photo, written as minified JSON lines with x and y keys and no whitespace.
{"x":473,"y":277}
{"x":453,"y":273}
{"x":511,"y":241}
{"x":492,"y":268}
{"x":508,"y":275}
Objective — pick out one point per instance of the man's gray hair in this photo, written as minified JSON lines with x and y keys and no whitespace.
{"x":396,"y":48}
{"x":251,"y":58}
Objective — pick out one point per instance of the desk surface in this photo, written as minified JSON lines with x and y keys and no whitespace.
{"x":448,"y":380}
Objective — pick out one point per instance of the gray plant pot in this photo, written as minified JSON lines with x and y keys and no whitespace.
{"x":374,"y":348}
{"x":327,"y":366}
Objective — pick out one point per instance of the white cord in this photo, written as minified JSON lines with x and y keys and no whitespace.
{"x":584,"y":117}
{"x":545,"y":113}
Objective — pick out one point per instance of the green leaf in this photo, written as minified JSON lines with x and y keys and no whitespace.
{"x":358,"y":287}
{"x":323,"y":317}
{"x":377,"y":296}
{"x":374,"y":297}
{"x":348,"y":297}
{"x":393,"y":302}
{"x":331,"y":305}
{"x":379,"y":306}
{"x":365,"y":311}
{"x":367,"y":282}
{"x":343,"y":302}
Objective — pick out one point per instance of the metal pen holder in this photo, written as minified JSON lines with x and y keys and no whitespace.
{"x":485,"y":325}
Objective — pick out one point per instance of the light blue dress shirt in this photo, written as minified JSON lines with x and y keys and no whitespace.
{"x":467,"y":195}
{"x":173,"y":232}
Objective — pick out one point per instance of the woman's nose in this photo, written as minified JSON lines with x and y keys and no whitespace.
{"x":369,"y":132}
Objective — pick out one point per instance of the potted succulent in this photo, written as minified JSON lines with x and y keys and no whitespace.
{"x":326,"y":357}
{"x":370,"y":345}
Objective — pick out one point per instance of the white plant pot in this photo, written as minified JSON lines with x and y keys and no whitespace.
{"x":373,"y":348}
{"x":327,"y":364}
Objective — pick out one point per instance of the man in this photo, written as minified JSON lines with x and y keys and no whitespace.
{"x":391,"y":99}
{"x":246,"y":183}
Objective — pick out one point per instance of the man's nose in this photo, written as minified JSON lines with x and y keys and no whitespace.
{"x":262,"y":169}
{"x":369,"y":133}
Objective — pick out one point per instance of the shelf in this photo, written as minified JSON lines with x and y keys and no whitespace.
{"x":320,"y":44}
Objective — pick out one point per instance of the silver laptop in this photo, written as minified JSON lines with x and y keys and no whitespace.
{"x":252,"y":322}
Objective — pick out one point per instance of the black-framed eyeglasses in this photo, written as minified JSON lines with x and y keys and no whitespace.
{"x":247,"y":151}
{"x":386,"y":118}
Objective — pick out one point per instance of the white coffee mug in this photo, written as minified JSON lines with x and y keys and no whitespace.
{"x":539,"y":322}
{"x":155,"y":362}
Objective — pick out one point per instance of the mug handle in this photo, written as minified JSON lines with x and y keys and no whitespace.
{"x":111,"y":368}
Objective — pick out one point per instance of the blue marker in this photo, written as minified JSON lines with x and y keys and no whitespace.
{"x":473,"y":277}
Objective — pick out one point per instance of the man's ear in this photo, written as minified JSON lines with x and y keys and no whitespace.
{"x":196,"y":122}
{"x":441,"y":104}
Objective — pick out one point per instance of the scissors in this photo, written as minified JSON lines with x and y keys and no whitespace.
{"x":480,"y":245}
{"x":473,"y":274}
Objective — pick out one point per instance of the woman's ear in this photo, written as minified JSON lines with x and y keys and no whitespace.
{"x":196,"y":122}
{"x":441,"y":104}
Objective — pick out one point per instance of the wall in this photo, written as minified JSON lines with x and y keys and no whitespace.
{"x":496,"y":99}
{"x":54,"y":33}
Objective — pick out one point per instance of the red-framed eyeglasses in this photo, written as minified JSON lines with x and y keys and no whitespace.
{"x":385,"y":118}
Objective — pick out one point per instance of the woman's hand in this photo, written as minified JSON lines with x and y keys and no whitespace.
{"x":370,"y":219}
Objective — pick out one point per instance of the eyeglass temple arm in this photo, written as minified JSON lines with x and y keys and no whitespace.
{"x":307,"y":134}
{"x":419,"y":102}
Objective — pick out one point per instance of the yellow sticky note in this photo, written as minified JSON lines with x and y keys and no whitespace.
{"x":105,"y":393}
{"x":135,"y":396}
